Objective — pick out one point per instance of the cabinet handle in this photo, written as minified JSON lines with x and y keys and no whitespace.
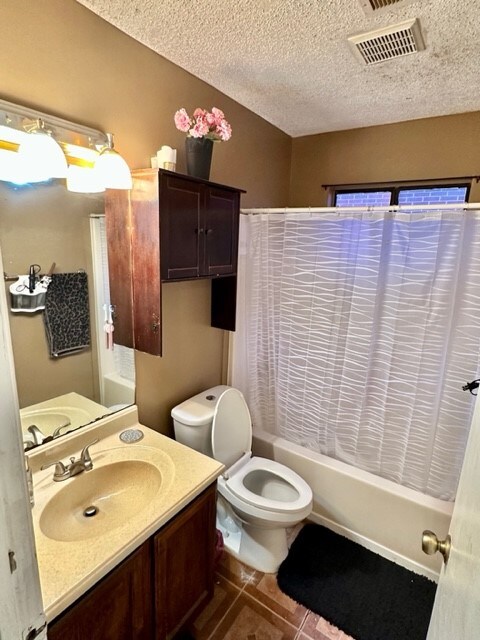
{"x":155,"y":324}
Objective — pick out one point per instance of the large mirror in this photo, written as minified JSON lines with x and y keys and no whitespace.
{"x":41,"y":225}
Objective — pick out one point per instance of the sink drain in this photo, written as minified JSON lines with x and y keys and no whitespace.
{"x":90,"y":511}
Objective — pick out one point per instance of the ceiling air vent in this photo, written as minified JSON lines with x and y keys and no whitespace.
{"x":390,"y":42}
{"x":369,"y":6}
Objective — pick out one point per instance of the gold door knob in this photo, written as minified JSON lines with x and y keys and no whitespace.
{"x":431,"y":544}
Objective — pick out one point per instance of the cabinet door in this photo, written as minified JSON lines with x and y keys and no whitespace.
{"x":181,"y":228}
{"x":118,"y":608}
{"x":118,"y":225}
{"x":184,"y":556}
{"x":145,"y":229}
{"x":221,"y":232}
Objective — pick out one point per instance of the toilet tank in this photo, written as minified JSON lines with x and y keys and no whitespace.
{"x":192,"y":419}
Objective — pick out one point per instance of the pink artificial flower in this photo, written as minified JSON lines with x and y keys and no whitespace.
{"x":211,"y":120}
{"x":204,"y":124}
{"x":182,"y":120}
{"x":199,"y":130}
{"x":224,"y":130}
{"x":218,"y":115}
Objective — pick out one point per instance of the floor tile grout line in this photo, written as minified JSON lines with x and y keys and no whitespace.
{"x":302,"y":624}
{"x":212,"y":635}
{"x":249,"y":595}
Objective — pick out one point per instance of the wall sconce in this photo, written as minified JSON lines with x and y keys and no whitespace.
{"x":36,"y":147}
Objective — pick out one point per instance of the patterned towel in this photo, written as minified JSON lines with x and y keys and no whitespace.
{"x":66,"y":315}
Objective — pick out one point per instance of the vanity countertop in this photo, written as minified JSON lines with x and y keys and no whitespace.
{"x":84,"y":551}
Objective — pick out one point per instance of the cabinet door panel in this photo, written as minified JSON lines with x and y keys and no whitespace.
{"x":118,"y":608}
{"x":184,"y":553}
{"x":181,"y":229}
{"x":118,"y":225}
{"x":146,"y":264}
{"x":221,"y":232}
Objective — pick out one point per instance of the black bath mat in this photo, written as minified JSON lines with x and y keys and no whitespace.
{"x":358,"y":591}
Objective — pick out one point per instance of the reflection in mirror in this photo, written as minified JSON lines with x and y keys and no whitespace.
{"x":42,"y":225}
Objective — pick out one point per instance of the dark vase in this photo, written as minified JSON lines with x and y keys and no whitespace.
{"x":199,"y":157}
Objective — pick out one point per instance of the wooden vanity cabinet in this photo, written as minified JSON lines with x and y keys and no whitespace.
{"x":184,"y":572}
{"x":179,"y":228}
{"x":157,"y":590}
{"x":118,"y":608}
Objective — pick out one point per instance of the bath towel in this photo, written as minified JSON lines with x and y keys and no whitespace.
{"x":66,"y":315}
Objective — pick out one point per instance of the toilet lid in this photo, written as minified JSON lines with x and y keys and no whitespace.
{"x":231,"y":428}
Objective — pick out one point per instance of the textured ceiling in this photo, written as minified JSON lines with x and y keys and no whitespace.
{"x":289,"y":61}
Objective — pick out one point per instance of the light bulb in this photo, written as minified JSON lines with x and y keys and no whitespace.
{"x":113,"y":171}
{"x":41,"y":158}
{"x":83,"y":180}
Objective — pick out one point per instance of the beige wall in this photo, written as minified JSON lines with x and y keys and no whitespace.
{"x":414,"y":150}
{"x":60,"y":58}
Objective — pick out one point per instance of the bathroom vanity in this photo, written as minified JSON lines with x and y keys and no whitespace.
{"x":142,"y":566}
{"x":152,"y":593}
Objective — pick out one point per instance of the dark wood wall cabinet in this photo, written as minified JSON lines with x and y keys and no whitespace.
{"x":169,"y":228}
{"x":157,"y":590}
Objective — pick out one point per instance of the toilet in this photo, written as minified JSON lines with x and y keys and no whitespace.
{"x":258,"y":499}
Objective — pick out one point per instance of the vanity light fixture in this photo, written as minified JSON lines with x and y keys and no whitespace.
{"x":40,"y":155}
{"x":81,"y":175}
{"x":36,"y":147}
{"x":111,"y":168}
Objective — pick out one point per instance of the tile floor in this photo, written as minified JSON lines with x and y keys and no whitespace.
{"x":248,"y":605}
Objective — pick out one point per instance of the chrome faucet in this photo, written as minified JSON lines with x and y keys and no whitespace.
{"x":63,"y":472}
{"x":38,"y":436}
{"x":56,"y":433}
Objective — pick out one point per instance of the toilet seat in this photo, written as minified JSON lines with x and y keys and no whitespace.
{"x":231,"y":440}
{"x":236,"y":484}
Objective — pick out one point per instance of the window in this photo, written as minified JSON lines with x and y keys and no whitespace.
{"x":411,"y":194}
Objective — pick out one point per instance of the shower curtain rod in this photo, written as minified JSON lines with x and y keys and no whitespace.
{"x":396,"y":207}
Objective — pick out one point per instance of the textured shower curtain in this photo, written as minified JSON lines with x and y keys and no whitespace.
{"x":356,"y":332}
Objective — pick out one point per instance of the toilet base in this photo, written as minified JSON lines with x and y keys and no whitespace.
{"x":263,"y":549}
{"x":260,"y":548}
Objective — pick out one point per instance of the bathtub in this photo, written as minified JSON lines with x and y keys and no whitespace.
{"x":116,"y":392}
{"x":378,"y":514}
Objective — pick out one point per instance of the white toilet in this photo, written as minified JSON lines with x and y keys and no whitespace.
{"x":258,"y":498}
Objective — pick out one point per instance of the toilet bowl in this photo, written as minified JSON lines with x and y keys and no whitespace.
{"x":258,"y":499}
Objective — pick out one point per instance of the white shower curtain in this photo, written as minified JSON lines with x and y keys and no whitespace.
{"x":356,"y":332}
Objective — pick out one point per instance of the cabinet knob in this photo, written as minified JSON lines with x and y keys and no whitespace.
{"x":155,"y":323}
{"x":199,"y":231}
{"x":207,"y":231}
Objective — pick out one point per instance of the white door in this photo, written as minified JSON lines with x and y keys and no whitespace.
{"x":456,"y":612}
{"x":21,"y":607}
